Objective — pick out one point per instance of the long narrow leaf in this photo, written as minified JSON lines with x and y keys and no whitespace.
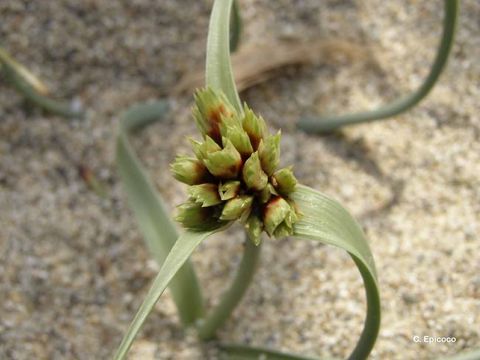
{"x":152,"y":216}
{"x":326,"y":124}
{"x":219,"y":75}
{"x":327,"y":221}
{"x":324,"y":220}
{"x":179,"y":254}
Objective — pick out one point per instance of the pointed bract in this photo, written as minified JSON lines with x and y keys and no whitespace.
{"x":193,"y":216}
{"x":210,"y":108}
{"x":229,"y":189}
{"x":189,"y":170}
{"x":240,"y":140}
{"x":291,"y":217}
{"x":284,"y":181}
{"x":269,"y":153}
{"x":267,"y":192}
{"x":237,"y":207}
{"x":282,"y":230}
{"x":196,"y":146}
{"x":275,"y":213}
{"x":229,"y":122}
{"x":205,"y":194}
{"x":225,"y":163}
{"x":254,"y":126}
{"x":252,"y":173}
{"x":201,"y":150}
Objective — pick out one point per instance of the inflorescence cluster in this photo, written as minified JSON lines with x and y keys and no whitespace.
{"x":234,"y":175}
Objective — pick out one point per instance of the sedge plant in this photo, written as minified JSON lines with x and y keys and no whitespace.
{"x":232,"y":175}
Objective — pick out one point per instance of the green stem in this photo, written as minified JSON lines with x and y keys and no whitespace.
{"x":219,"y":76}
{"x":326,"y":124}
{"x":219,"y":315}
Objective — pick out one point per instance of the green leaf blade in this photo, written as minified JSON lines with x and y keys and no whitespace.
{"x":151,"y":214}
{"x":179,"y":254}
{"x":325,"y":220}
{"x":219,"y":75}
{"x":330,"y":123}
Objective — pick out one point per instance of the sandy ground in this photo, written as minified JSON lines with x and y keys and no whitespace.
{"x":73,"y":268}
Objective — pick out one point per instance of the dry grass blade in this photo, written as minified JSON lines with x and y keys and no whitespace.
{"x":25,"y":74}
{"x":33,"y":89}
{"x":254,"y":64}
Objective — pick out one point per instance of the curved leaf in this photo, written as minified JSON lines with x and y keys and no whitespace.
{"x":398,"y":106}
{"x":179,"y":254}
{"x":325,"y":220}
{"x":158,"y":230}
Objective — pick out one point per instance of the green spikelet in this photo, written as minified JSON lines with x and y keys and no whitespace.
{"x":234,"y":175}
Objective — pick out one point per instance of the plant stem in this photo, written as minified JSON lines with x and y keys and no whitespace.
{"x":219,"y":76}
{"x":326,"y":124}
{"x":231,"y":298}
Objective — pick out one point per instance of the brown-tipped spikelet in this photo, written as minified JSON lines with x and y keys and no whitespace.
{"x":234,"y":174}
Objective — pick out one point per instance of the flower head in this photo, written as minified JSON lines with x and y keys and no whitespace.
{"x":234,"y":174}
